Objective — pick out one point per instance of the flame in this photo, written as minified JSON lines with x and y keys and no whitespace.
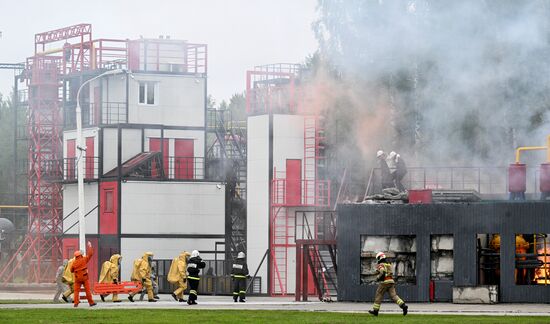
{"x":542,"y":275}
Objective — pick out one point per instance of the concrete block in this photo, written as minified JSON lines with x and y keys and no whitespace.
{"x":475,"y":295}
{"x":442,"y":242}
{"x":376,"y":243}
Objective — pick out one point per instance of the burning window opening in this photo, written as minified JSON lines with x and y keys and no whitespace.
{"x":401,"y":252}
{"x":488,"y":259}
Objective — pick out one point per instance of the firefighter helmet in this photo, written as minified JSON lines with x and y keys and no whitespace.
{"x":380,"y":256}
{"x":241,"y":255}
{"x":379,"y":153}
{"x":195,"y":254}
{"x":77,"y":253}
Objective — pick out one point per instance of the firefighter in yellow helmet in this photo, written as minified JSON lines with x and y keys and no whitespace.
{"x":110,"y":274}
{"x":178,"y":275}
{"x":142,"y":272}
{"x":384,"y":274}
{"x":68,"y":279}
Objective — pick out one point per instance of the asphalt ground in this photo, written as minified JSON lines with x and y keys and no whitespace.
{"x":278,"y":303}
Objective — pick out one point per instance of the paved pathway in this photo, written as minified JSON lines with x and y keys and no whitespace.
{"x":286,"y":303}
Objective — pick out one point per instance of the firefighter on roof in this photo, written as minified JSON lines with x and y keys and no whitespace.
{"x":384,"y":274}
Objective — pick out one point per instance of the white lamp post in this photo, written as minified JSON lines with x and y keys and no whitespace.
{"x":80,"y":163}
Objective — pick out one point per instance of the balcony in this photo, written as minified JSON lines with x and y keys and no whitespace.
{"x":94,"y":114}
{"x":91,"y":168}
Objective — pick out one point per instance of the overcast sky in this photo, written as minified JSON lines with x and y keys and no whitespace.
{"x":240,"y":33}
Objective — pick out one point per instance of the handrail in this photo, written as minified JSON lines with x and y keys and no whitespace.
{"x":64,"y":218}
{"x":68,"y":229}
{"x":257,"y":269}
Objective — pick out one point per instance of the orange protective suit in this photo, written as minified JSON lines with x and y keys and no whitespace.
{"x":80,"y":270}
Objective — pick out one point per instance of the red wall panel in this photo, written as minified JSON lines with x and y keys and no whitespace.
{"x":154,"y":146}
{"x":70,"y":244}
{"x":71,"y":162}
{"x":293,"y":182}
{"x":108,"y":208}
{"x":184,"y":158}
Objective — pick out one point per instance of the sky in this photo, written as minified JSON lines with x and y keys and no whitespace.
{"x":240,"y":33}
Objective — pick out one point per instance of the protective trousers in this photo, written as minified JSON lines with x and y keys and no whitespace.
{"x":239,"y":288}
{"x":77,"y":285}
{"x":182,"y":285}
{"x":69,"y":291}
{"x":193,"y":286}
{"x":148,"y":284}
{"x":60,"y":289}
{"x":382,"y":289}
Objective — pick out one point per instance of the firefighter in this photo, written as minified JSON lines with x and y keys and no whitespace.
{"x":142,"y":273}
{"x":68,"y":279}
{"x":194,"y":265}
{"x":400,"y":172}
{"x":385,"y":275}
{"x":385,"y":175}
{"x":178,"y":276}
{"x":110,"y":274}
{"x":80,"y":270}
{"x":59,"y":281}
{"x":154,"y":283}
{"x":239,"y":273}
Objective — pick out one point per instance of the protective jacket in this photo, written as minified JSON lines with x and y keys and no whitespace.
{"x":109,"y":270}
{"x":194,"y":266}
{"x":385,"y":272}
{"x":142,"y":268}
{"x":386,"y":177}
{"x":401,"y":167}
{"x":239,"y":269}
{"x":178,"y":268}
{"x":68,"y":276}
{"x":80,"y":265}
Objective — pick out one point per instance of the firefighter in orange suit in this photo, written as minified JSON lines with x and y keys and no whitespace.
{"x":384,"y":274}
{"x":80,"y":270}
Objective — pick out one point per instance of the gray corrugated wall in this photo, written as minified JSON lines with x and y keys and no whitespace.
{"x":464,"y":221}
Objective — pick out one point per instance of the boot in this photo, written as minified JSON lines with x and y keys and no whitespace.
{"x":152,"y":300}
{"x":242,"y":300}
{"x":65,"y":299}
{"x":102,"y":298}
{"x":374,"y":312}
{"x":235,"y":299}
{"x":175,"y":297}
{"x":131,"y":298}
{"x":405,"y":309}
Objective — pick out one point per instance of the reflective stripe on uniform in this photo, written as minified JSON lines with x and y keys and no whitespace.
{"x":235,"y":293}
{"x":239,"y":276}
{"x":194,"y":278}
{"x":376,"y":306}
{"x":400,"y":302}
{"x":242,"y":292}
{"x":192,"y":292}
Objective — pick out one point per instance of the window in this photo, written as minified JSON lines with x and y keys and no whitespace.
{"x":532,"y":259}
{"x":400,"y":251}
{"x":148,"y":93}
{"x":108,"y":201}
{"x":488,"y":258}
{"x":441,"y":255}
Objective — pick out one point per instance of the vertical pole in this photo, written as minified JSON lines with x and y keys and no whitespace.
{"x":14,"y":107}
{"x":298,"y":272}
{"x":305,"y":251}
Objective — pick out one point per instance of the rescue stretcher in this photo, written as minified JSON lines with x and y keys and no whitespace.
{"x":124,"y":287}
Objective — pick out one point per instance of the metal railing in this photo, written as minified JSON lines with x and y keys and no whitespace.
{"x":110,"y":112}
{"x":70,"y":169}
{"x":485,"y":180}
{"x":301,"y":192}
{"x":185,"y":168}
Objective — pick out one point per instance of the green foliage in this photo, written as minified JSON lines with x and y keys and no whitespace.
{"x":6,"y":145}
